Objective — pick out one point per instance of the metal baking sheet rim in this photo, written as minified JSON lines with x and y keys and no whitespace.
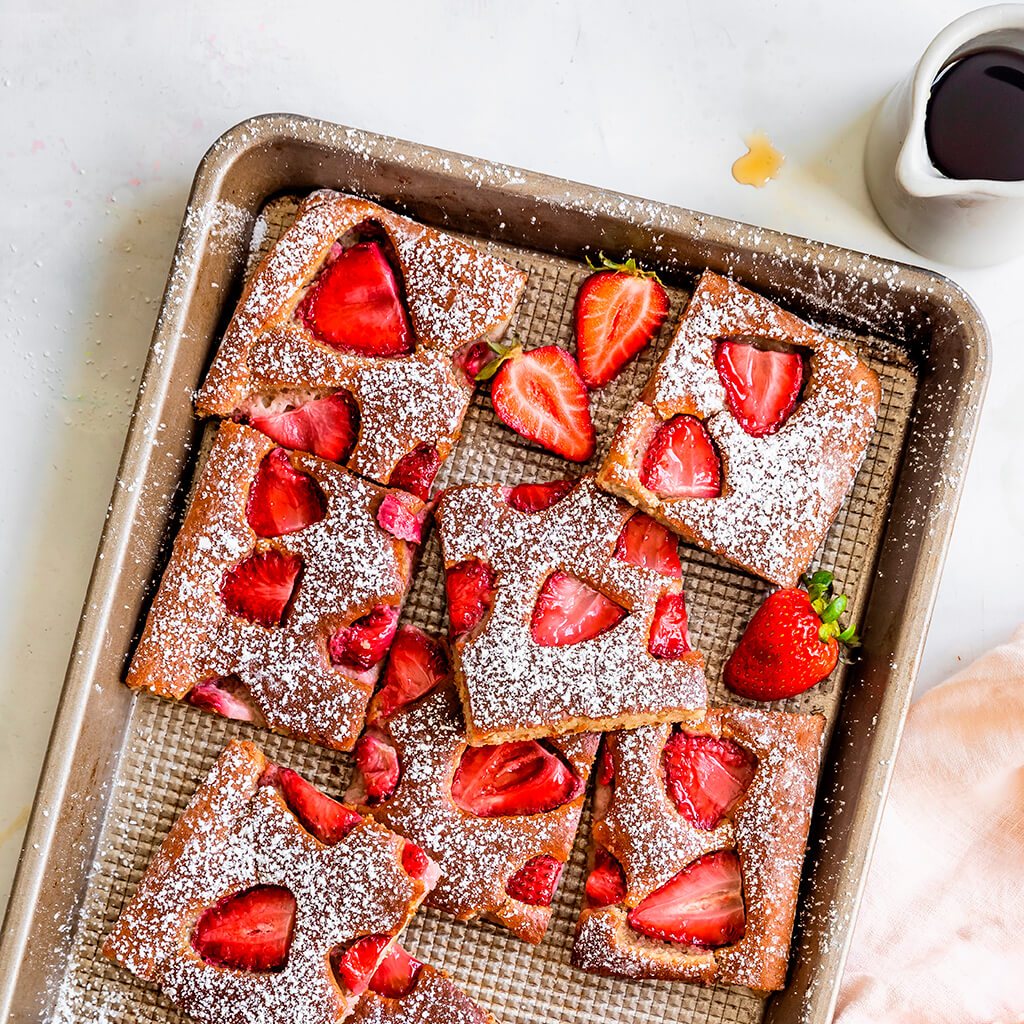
{"x":752,"y":254}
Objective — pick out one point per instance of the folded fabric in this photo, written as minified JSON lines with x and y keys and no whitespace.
{"x":940,"y":934}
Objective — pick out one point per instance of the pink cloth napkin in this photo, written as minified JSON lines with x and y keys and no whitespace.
{"x":940,"y":934}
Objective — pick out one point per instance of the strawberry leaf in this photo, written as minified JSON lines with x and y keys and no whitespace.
{"x":630,"y":267}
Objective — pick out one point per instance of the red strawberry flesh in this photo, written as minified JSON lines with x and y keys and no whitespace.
{"x":355,"y":305}
{"x":397,"y":974}
{"x":470,"y":590}
{"x":540,"y":395}
{"x":472,"y":358}
{"x":701,"y":906}
{"x":568,"y":612}
{"x":227,"y":696}
{"x":517,"y":778}
{"x":535,"y":882}
{"x":416,"y":665}
{"x":321,"y":816}
{"x":681,"y":461}
{"x":538,"y":497}
{"x":325,"y":427}
{"x":250,"y":931}
{"x":414,"y":860}
{"x":761,"y":386}
{"x":415,"y":471}
{"x":669,"y":637}
{"x":281,"y":499}
{"x":377,"y":758}
{"x":606,"y":883}
{"x":356,"y":965}
{"x":362,"y":644}
{"x":259,"y":588}
{"x":650,"y":545}
{"x":605,"y":765}
{"x":616,"y":316}
{"x":706,"y":776}
{"x":402,"y":515}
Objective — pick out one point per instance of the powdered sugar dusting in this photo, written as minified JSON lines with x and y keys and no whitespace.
{"x":434,"y":1000}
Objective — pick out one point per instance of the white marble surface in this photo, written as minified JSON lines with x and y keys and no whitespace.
{"x":108,"y":107}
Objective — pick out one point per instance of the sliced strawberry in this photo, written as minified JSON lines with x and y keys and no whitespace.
{"x":618,"y":311}
{"x":535,"y":882}
{"x":414,"y":860}
{"x":701,"y":906}
{"x":648,"y":544}
{"x":538,"y":497}
{"x":355,"y":305}
{"x":362,"y":644}
{"x":260,"y":588}
{"x":606,"y":883}
{"x":227,"y":696}
{"x":472,"y":358}
{"x":250,"y":931}
{"x":377,"y":758}
{"x":540,"y":395}
{"x":416,"y":470}
{"x":605,"y":765}
{"x":416,"y":665}
{"x":326,"y":427}
{"x":681,"y":461}
{"x":568,"y":612}
{"x":356,"y":965}
{"x":402,"y":515}
{"x":321,"y":816}
{"x":706,"y":776}
{"x":397,"y":974}
{"x":281,"y":499}
{"x":470,"y":589}
{"x":761,"y":386}
{"x":521,"y":777}
{"x":669,"y":637}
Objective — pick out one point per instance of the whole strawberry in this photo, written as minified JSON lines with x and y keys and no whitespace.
{"x":791,"y":643}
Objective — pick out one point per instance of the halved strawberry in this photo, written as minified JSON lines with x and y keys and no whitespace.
{"x":605,"y":765}
{"x":259,"y":588}
{"x":326,"y":427}
{"x":537,"y":497}
{"x":414,"y":860}
{"x":377,"y":758}
{"x":321,"y":816}
{"x":521,"y":777}
{"x":681,"y":461}
{"x":568,"y":612}
{"x":669,"y":638}
{"x":535,"y":882}
{"x":618,"y":310}
{"x":227,"y":696}
{"x":606,"y":883}
{"x":355,"y":966}
{"x":281,"y":499}
{"x":470,"y":589}
{"x":540,"y":395}
{"x":706,"y":776}
{"x":416,"y":665}
{"x":415,"y":471}
{"x":648,"y":544}
{"x":402,"y":515}
{"x":362,"y":644}
{"x":701,"y":906}
{"x":250,"y":931}
{"x":397,"y":974}
{"x":355,"y":305}
{"x":761,"y":386}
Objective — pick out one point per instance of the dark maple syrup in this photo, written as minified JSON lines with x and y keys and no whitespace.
{"x":974,"y":122}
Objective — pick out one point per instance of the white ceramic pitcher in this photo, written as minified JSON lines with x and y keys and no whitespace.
{"x":972,"y":222}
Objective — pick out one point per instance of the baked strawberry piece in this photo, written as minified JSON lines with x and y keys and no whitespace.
{"x":358,"y":339}
{"x":268,"y":900}
{"x":551,"y":596}
{"x":282,"y":593}
{"x":698,"y":840}
{"x":500,"y":820}
{"x":748,"y":434}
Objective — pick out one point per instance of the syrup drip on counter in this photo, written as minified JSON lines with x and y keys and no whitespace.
{"x":974,"y":121}
{"x":760,"y":163}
